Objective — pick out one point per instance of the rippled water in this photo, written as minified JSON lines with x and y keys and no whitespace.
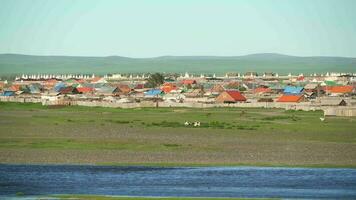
{"x":181,"y":181}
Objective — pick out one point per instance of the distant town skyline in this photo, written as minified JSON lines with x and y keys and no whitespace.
{"x":140,"y":29}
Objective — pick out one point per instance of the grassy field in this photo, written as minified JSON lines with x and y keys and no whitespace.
{"x":31,"y":133}
{"x":92,"y":197}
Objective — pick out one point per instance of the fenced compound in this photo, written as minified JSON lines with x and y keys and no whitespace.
{"x":305,"y":106}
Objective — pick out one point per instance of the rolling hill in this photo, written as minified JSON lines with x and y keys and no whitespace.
{"x":11,"y":64}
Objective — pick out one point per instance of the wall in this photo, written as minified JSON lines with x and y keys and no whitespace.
{"x":306,"y":106}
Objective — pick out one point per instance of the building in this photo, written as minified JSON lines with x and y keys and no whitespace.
{"x":290,"y":98}
{"x":230,"y":96}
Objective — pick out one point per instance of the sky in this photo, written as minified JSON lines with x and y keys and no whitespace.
{"x":150,"y":28}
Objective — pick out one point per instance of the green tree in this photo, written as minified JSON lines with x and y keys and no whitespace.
{"x":242,"y":89}
{"x":155,"y":80}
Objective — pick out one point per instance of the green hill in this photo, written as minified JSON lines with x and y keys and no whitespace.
{"x":11,"y":64}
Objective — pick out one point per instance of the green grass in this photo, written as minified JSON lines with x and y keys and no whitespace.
{"x":89,"y":197}
{"x":227,"y":136}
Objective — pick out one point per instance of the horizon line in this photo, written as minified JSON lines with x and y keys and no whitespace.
{"x":162,"y":56}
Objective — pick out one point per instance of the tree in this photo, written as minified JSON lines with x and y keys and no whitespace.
{"x":155,"y":80}
{"x":242,"y":89}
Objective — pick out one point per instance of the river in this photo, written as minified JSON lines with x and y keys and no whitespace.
{"x":257,"y":182}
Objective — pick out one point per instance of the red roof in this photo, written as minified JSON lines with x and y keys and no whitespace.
{"x":67,"y":90}
{"x":236,"y":95}
{"x":300,"y":78}
{"x":140,"y":86}
{"x":340,"y":89}
{"x":189,"y":82}
{"x":15,"y":88}
{"x":290,"y":98}
{"x":262,"y":90}
{"x":85,"y":89}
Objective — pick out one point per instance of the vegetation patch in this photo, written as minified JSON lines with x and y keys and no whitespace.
{"x":281,"y":117}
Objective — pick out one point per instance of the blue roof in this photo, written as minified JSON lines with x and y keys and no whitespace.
{"x":293,"y":90}
{"x":8,"y":93}
{"x":153,"y":92}
{"x":59,"y":86}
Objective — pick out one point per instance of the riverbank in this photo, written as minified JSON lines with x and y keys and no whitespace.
{"x":96,"y":197}
{"x":34,"y":134}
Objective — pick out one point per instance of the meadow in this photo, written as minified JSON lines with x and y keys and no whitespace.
{"x":89,"y":197}
{"x":32,"y":133}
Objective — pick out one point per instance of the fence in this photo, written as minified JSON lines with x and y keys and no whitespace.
{"x":306,"y":106}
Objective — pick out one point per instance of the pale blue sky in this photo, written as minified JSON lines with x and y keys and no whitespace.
{"x":183,"y":27}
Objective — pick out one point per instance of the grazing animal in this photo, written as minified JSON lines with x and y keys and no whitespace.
{"x":322,"y":119}
{"x":196,"y":123}
{"x":186,"y":123}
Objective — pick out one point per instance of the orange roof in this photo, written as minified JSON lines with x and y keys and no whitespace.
{"x":290,"y":98}
{"x":124,"y":88}
{"x":340,"y":89}
{"x":236,"y":95}
{"x":168,"y":87}
{"x":84,"y":89}
{"x":262,"y":90}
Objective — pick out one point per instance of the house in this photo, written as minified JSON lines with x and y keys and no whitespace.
{"x":300,"y":78}
{"x":35,"y":88}
{"x":230,"y":96}
{"x":217,"y":89}
{"x":195,"y":93}
{"x":262,"y":90}
{"x":67,"y":90}
{"x":15,"y":88}
{"x":139,"y":86}
{"x":332,"y":101}
{"x":98,"y":80}
{"x":71,"y":81}
{"x":153,"y":93}
{"x":339,"y":90}
{"x":124,"y":89}
{"x":293,"y":90}
{"x":287,"y":98}
{"x":311,"y":87}
{"x":8,"y":93}
{"x":59,"y":86}
{"x":276,"y":88}
{"x":84,"y":90}
{"x":168,"y":87}
{"x":107,"y":91}
{"x":189,"y":82}
{"x":233,"y":85}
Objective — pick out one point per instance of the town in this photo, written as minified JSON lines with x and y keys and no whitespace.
{"x":334,"y":93}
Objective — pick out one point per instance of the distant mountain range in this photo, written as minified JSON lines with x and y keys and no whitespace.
{"x":11,"y":64}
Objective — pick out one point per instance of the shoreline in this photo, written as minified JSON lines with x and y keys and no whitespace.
{"x":191,"y":165}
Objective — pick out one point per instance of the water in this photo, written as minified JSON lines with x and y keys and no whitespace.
{"x":255,"y":182}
